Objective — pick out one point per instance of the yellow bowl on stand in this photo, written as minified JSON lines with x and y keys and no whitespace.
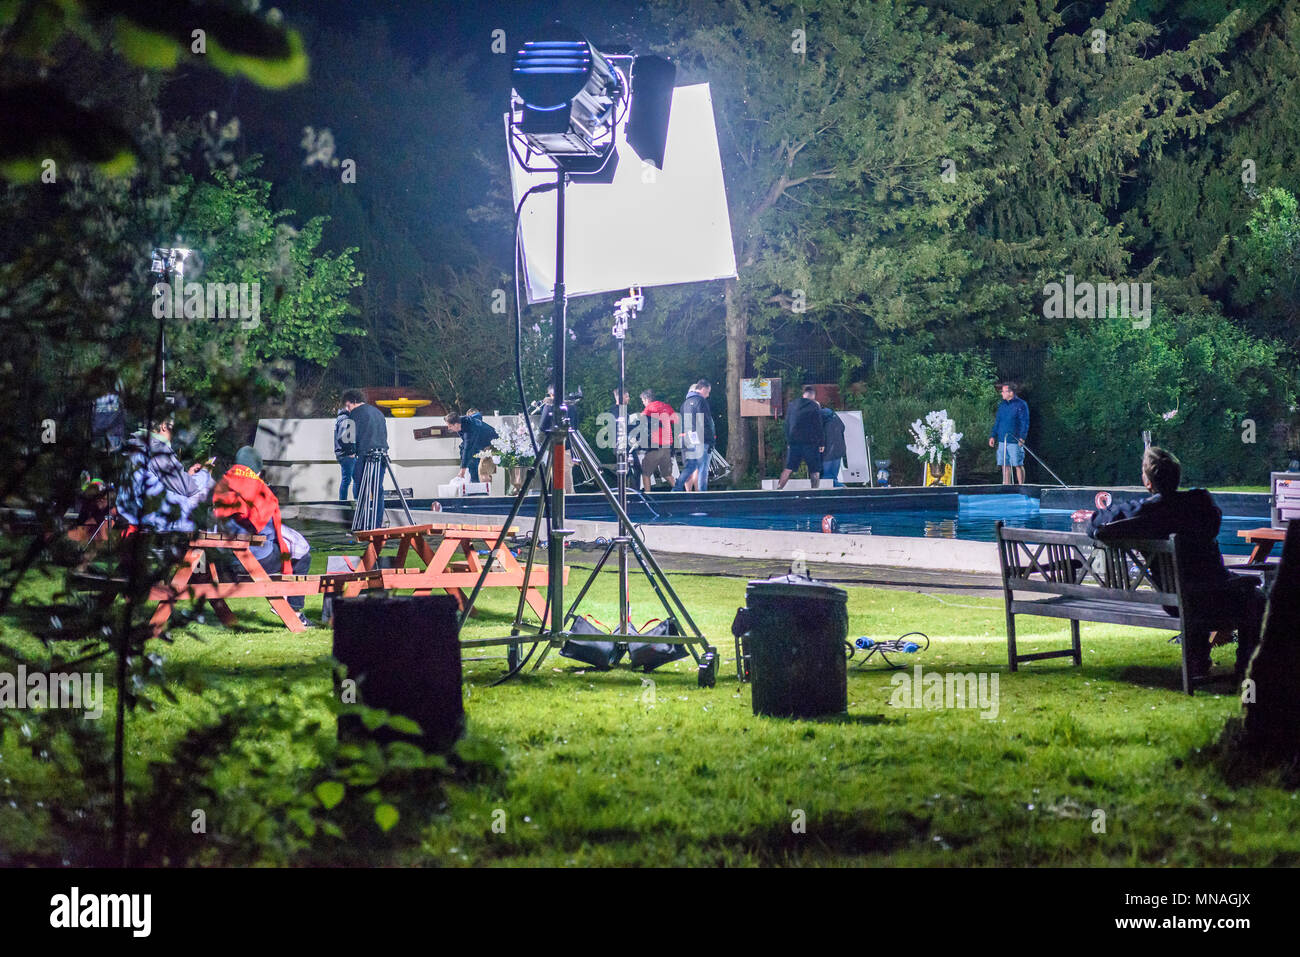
{"x":403,"y":408}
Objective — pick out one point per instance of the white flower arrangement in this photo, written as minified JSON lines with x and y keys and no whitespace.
{"x":937,"y":439}
{"x":511,"y":449}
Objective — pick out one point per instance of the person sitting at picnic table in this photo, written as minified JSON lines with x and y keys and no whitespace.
{"x":1193,"y":516}
{"x":159,"y":494}
{"x":243,"y":504}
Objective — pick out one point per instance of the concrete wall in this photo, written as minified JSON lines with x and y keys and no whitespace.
{"x":299,"y":454}
{"x":895,"y":551}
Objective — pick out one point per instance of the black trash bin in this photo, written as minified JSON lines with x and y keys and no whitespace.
{"x":794,"y":630}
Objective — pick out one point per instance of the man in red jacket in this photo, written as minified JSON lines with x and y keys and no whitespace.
{"x":656,"y":437}
{"x":245,"y":505}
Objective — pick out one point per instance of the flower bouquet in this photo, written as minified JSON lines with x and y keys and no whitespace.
{"x":512,"y":449}
{"x":937,"y":442}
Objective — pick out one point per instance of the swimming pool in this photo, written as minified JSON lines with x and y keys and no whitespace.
{"x":906,"y":512}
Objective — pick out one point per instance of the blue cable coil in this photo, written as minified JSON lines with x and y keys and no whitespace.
{"x":903,"y":644}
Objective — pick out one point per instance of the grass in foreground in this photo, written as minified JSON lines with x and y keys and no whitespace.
{"x":624,"y":769}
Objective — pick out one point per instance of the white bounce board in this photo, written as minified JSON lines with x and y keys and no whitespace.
{"x":648,"y":227}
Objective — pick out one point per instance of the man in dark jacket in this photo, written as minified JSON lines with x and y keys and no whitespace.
{"x":698,"y":439}
{"x":370,"y":433}
{"x":475,"y":436}
{"x":805,"y":437}
{"x":833,"y":454}
{"x":1195,"y":518}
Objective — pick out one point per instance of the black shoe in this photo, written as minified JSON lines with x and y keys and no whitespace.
{"x":1199,"y":668}
{"x":306,"y":621}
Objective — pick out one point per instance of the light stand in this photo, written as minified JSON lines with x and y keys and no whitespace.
{"x":624,"y":311}
{"x":554,"y":631}
{"x":565,"y":108}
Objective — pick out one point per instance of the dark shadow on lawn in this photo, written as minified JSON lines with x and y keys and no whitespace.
{"x":295,"y":671}
{"x":850,"y":718}
{"x":1171,"y":678}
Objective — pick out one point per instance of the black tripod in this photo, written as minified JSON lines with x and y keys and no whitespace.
{"x":547,"y":634}
{"x":369,"y":511}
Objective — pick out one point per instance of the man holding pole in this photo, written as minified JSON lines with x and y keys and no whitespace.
{"x":1010,"y":429}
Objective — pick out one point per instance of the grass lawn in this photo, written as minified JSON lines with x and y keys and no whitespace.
{"x":607,"y":769}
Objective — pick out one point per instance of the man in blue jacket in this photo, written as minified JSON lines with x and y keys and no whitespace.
{"x":345,"y":452}
{"x":475,"y":436}
{"x":1010,"y":429}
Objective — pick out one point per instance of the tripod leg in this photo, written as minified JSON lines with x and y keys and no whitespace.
{"x":591,"y":579}
{"x":520,"y":497}
{"x":406,"y":508}
{"x":581,"y":446}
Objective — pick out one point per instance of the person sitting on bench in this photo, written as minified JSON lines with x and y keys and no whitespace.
{"x":158,"y":493}
{"x":245,"y":505}
{"x":1193,"y":516}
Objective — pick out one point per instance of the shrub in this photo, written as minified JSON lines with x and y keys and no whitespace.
{"x":1109,"y":381}
{"x":908,"y":384}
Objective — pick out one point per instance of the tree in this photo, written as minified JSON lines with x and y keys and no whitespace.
{"x":1271,"y":254}
{"x":835,"y":120}
{"x":301,"y":295}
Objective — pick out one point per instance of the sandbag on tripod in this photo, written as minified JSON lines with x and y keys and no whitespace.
{"x":648,"y":655}
{"x":601,"y":655}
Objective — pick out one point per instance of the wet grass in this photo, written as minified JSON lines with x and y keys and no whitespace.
{"x":1098,"y":765}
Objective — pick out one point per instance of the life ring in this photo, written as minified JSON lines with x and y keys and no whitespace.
{"x":829,"y":524}
{"x":1102,"y":500}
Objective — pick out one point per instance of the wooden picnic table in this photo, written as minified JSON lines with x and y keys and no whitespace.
{"x":215,"y":591}
{"x":453,"y":565}
{"x":1263,"y":540}
{"x":224,"y":583}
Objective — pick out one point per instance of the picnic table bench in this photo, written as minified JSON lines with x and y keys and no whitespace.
{"x":1118,"y":583}
{"x":453,"y":565}
{"x":218,"y":582}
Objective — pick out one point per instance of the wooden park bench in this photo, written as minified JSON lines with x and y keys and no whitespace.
{"x":1118,"y":583}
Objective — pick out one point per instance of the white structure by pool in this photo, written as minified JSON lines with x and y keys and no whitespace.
{"x":299,"y":455}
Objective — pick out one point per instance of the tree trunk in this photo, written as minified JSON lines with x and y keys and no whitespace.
{"x":737,"y":339}
{"x":1272,"y":718}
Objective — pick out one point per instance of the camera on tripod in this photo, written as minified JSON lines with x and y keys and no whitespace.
{"x":572,"y":400}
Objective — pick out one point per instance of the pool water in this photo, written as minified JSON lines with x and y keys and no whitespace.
{"x":968,"y":517}
{"x":972,"y":520}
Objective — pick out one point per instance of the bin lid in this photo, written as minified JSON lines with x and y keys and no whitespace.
{"x":795,"y":586}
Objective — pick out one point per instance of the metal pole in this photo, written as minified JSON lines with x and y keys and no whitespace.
{"x":559,"y":427}
{"x":620,"y":432}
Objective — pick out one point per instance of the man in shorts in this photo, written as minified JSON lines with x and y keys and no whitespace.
{"x":656,"y":438}
{"x":1010,"y":429}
